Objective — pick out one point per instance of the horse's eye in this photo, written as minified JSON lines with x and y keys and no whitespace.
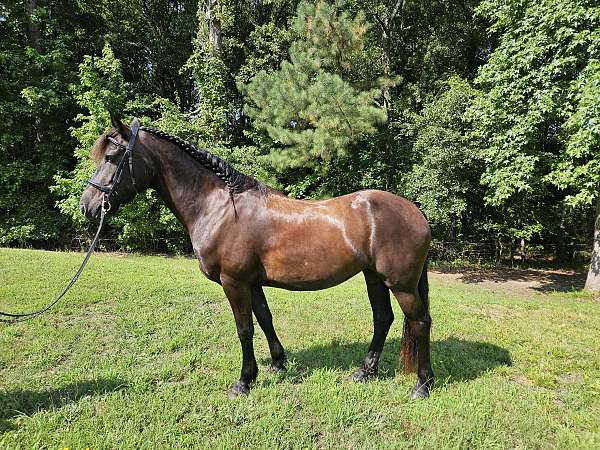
{"x":108,"y":158}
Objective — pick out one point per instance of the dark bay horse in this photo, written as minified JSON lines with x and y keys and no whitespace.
{"x":247,"y":235}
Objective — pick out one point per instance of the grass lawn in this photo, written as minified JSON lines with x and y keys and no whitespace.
{"x":141,"y":353}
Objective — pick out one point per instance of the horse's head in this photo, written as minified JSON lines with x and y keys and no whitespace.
{"x":122,"y":170}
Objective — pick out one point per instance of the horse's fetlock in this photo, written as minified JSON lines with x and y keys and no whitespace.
{"x":277,"y":352}
{"x":371,"y":362}
{"x":249,"y":373}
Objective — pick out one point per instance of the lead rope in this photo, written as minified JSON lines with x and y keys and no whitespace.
{"x":14,"y":318}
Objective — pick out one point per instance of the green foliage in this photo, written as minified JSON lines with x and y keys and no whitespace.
{"x":41,"y":97}
{"x":328,"y":37}
{"x":210,"y":73}
{"x":578,"y":166}
{"x":35,"y":110}
{"x":534,"y":115}
{"x":307,"y":106}
{"x":315,"y":98}
{"x":444,"y":179}
{"x":153,"y":39}
{"x":268,"y":45}
{"x":530,"y":89}
{"x":103,"y":89}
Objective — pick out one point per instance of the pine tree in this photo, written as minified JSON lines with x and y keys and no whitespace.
{"x":316,"y":105}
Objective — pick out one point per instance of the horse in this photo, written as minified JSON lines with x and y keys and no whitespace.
{"x":247,"y":235}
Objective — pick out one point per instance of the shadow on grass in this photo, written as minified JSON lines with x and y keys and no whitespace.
{"x":539,"y":280}
{"x":454,"y":360}
{"x":25,"y":403}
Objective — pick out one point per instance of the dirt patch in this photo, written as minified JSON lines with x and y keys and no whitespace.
{"x":571,"y":378}
{"x":493,"y":312}
{"x":523,"y":282}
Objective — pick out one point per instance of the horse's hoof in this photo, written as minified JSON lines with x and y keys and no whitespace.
{"x":278,"y":369}
{"x":239,"y":388}
{"x":361,"y":375}
{"x":420,"y":391}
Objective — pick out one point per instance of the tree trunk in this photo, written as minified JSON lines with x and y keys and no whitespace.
{"x":214,"y":26}
{"x":33,"y":25}
{"x":522,"y":250}
{"x":593,"y":279}
{"x":387,"y":25}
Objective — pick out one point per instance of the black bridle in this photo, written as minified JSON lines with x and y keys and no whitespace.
{"x":109,"y":191}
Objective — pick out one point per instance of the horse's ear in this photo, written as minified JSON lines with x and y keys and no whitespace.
{"x":119,"y":126}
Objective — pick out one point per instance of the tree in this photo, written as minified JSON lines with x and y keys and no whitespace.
{"x":530,"y":93}
{"x":577,"y":169}
{"x":102,"y":88}
{"x":39,"y":50}
{"x":444,"y":179}
{"x":42,"y":43}
{"x":210,"y":75}
{"x":153,"y":39}
{"x":310,"y":106}
{"x":205,"y":114}
{"x":318,"y":99}
{"x":417,"y":45}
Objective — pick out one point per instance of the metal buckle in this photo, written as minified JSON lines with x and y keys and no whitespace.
{"x":106,"y":205}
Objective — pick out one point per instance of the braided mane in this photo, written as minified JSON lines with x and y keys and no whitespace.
{"x":236,"y":181}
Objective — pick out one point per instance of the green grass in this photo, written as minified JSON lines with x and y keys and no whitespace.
{"x":142,"y":351}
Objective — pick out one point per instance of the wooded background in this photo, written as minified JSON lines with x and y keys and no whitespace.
{"x":485,"y":113}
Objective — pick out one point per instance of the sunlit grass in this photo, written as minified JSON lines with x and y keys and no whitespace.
{"x":141,"y":353}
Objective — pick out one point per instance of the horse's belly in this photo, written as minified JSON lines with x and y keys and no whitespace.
{"x":309,"y":285}
{"x":312,"y":270}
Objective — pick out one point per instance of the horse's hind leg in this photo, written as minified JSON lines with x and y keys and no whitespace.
{"x":415,"y":339}
{"x":383,"y":316}
{"x":265,"y":320}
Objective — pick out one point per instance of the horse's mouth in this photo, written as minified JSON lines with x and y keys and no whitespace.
{"x":95,"y":212}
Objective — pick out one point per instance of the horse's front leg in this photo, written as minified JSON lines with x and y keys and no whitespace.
{"x":240,"y":299}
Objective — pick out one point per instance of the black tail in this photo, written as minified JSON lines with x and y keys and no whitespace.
{"x":408,"y":352}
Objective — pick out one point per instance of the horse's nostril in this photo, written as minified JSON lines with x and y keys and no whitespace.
{"x":82,"y":208}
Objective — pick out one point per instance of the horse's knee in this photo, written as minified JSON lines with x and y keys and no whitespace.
{"x":425,"y":321}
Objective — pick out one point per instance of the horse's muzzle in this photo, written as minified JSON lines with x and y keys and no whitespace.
{"x":90,"y":212}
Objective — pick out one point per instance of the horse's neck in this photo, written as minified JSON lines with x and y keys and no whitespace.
{"x":189,"y":190}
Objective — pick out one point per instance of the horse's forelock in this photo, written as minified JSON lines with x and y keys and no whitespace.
{"x":99,"y":146}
